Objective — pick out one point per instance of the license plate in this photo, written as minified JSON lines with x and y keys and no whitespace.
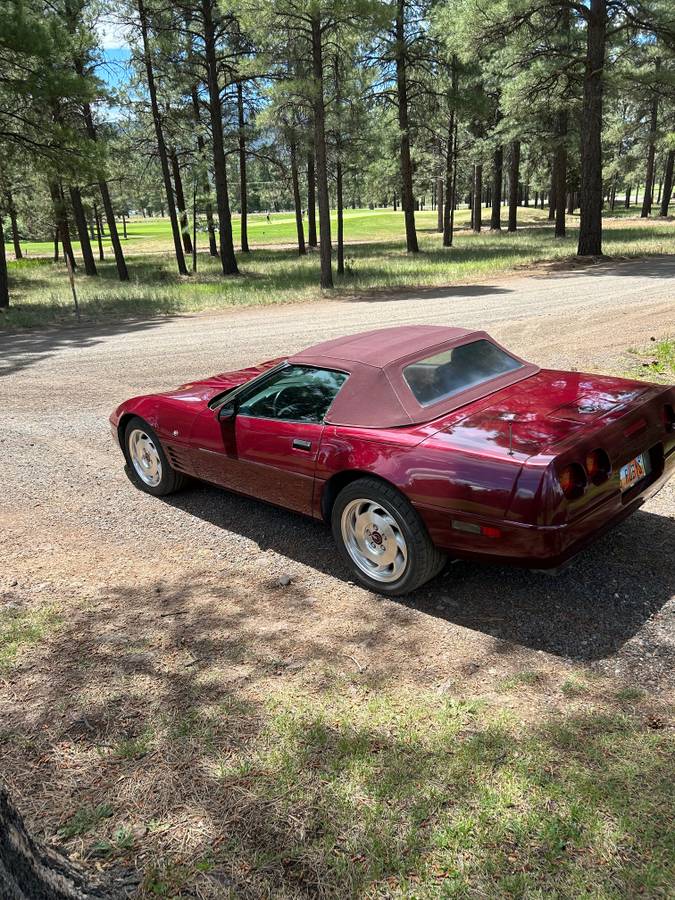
{"x":634,"y":471}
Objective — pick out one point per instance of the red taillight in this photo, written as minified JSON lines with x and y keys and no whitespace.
{"x":598,"y":466}
{"x":572,"y":481}
{"x":669,"y":418}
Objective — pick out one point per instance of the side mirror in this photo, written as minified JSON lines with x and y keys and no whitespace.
{"x":227,"y":412}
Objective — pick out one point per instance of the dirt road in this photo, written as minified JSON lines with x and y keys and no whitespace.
{"x":75,"y":533}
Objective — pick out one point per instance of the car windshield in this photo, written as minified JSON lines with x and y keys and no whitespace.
{"x":451,"y":371}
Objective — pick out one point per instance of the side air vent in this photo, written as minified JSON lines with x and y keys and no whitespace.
{"x":177,"y":458}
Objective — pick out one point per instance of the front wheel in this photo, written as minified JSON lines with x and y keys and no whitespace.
{"x":381,"y":536}
{"x":149,"y":468}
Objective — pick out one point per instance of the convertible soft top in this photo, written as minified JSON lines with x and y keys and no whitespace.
{"x":376,"y":394}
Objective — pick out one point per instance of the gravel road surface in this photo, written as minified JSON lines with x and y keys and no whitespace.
{"x":74,"y":531}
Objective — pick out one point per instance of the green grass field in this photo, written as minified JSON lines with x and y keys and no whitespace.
{"x":375,"y":259}
{"x":153,"y":235}
{"x":348,"y":788}
{"x":355,"y":794}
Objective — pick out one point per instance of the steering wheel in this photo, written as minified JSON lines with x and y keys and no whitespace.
{"x":278,"y":410}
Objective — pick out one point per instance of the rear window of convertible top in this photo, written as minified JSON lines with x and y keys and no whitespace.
{"x":457,"y":369}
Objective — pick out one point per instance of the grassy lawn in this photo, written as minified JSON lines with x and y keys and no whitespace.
{"x":154,"y":235}
{"x":356,"y":790}
{"x":419,"y":796}
{"x":20,"y":629}
{"x":375,"y":261}
{"x":656,"y":362}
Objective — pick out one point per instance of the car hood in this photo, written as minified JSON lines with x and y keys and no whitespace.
{"x":203,"y":391}
{"x":538,"y":414}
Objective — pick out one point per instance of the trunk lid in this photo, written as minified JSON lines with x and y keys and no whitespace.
{"x":540,"y":414}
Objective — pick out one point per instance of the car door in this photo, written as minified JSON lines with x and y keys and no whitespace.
{"x":269,"y":447}
{"x":276,"y":460}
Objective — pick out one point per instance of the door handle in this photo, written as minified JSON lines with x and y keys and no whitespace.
{"x":300,"y":444}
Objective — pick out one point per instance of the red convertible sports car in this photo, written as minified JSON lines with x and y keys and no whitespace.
{"x":413,"y":443}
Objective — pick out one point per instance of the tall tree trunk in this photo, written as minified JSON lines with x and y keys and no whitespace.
{"x":450,"y":161}
{"x":560,"y":169}
{"x":99,"y":232}
{"x":407,"y":199}
{"x":453,"y":194}
{"x":243,"y":187}
{"x":71,"y":14}
{"x":560,"y":153}
{"x":120,"y":262}
{"x":194,"y":226}
{"x":311,"y":200}
{"x":81,"y":224}
{"x":61,"y":221}
{"x":32,"y":871}
{"x":551,"y":194}
{"x":340,"y":219}
{"x":320,"y":150}
{"x":497,"y":176}
{"x":297,"y":201}
{"x":590,"y":223}
{"x":180,"y":202}
{"x":439,"y":204}
{"x":11,"y":209}
{"x":667,"y":183}
{"x":227,"y":258}
{"x":4,"y":293}
{"x":161,"y":145}
{"x":124,"y":225}
{"x":477,"y":220}
{"x":201,"y":146}
{"x":626,"y":202}
{"x":514,"y":174}
{"x":56,"y":245}
{"x":651,"y":147}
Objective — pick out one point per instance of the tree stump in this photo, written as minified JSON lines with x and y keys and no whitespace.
{"x":30,"y":870}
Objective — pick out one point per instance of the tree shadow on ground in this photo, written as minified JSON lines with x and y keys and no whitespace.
{"x":587,"y":612}
{"x":212,"y":782}
{"x":658,"y":267}
{"x":429,"y":293}
{"x":20,"y":350}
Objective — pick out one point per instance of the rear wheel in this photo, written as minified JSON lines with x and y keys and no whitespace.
{"x":381,"y":536}
{"x":148,"y":466}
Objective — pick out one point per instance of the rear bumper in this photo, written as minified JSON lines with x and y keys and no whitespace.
{"x":537,"y":546}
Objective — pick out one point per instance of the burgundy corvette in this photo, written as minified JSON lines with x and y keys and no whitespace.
{"x":415,"y":442}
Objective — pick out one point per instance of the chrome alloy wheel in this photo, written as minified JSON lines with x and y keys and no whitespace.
{"x":374,"y":540}
{"x":145,"y":457}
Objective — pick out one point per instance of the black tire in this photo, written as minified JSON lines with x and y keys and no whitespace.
{"x":169,"y":481}
{"x":424,"y":559}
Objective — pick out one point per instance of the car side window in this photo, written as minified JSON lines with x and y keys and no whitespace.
{"x":295,"y":394}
